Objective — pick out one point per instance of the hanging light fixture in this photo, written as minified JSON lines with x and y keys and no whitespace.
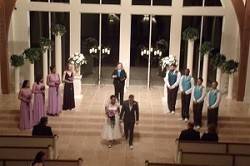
{"x":145,"y":18}
{"x":112,"y":18}
{"x":154,"y":20}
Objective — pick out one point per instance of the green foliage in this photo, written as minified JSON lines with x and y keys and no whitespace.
{"x":206,"y":47}
{"x":45,"y":43}
{"x":33,"y":54}
{"x":91,"y":42}
{"x":230,"y":66}
{"x":58,"y":29}
{"x":218,"y":60}
{"x":17,"y":60}
{"x":162,"y":43}
{"x":190,"y":33}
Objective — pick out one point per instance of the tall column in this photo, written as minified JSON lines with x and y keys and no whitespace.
{"x":230,"y":86}
{"x":17,"y":79}
{"x":45,"y":65}
{"x":175,"y":30}
{"x":58,"y":53}
{"x":32,"y":73}
{"x":218,"y":77}
{"x":190,"y":55}
{"x":125,"y":36}
{"x":75,"y":27}
{"x":205,"y":68}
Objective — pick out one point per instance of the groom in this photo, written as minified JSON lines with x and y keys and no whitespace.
{"x":129,"y":115}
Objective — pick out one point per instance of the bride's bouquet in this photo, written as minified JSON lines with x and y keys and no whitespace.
{"x":111,"y":116}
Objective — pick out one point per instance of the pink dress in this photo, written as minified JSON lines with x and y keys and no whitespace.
{"x":25,"y":95}
{"x":54,"y":103}
{"x":39,"y":101}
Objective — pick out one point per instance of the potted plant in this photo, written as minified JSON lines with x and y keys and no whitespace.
{"x":218,"y":62}
{"x":205,"y":51}
{"x":45,"y":43}
{"x":33,"y":54}
{"x":230,"y":67}
{"x":58,"y":30}
{"x":17,"y":61}
{"x":190,"y":34}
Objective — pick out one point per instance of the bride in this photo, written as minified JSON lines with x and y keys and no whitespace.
{"x":112,"y":128}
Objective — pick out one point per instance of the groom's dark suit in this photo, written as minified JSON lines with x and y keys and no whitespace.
{"x":129,"y":115}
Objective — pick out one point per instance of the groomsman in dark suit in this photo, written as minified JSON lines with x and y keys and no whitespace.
{"x":172,"y":80}
{"x":119,"y":76}
{"x":130,"y":116}
{"x":186,"y":87}
{"x":213,"y":103}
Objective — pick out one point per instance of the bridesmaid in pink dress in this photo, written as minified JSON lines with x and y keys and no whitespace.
{"x":54,"y":103}
{"x":39,"y":99}
{"x":25,"y":95}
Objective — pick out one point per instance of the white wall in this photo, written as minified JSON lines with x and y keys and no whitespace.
{"x":20,"y":33}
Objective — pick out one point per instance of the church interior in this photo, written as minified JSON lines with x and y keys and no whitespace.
{"x":89,"y":45}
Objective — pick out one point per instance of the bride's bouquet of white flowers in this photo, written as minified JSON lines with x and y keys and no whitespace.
{"x":167,"y":61}
{"x":78,"y":59}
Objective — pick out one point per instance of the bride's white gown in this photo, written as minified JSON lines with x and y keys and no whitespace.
{"x":109,"y":132}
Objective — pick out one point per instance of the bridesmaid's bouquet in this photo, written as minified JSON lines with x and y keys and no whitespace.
{"x":57,"y":83}
{"x":111,"y":116}
{"x":42,"y":88}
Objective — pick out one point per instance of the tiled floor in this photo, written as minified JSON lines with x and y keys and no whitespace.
{"x":79,"y":131}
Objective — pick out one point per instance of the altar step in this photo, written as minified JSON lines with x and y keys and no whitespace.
{"x":157,"y":125}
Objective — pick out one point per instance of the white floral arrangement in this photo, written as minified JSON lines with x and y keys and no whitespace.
{"x":78,"y":59}
{"x":167,"y":61}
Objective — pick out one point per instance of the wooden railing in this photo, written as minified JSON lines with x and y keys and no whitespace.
{"x":148,"y":163}
{"x":219,"y":153}
{"x":17,"y":162}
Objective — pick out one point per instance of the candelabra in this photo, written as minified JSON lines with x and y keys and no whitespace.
{"x":104,"y":50}
{"x":153,"y":51}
